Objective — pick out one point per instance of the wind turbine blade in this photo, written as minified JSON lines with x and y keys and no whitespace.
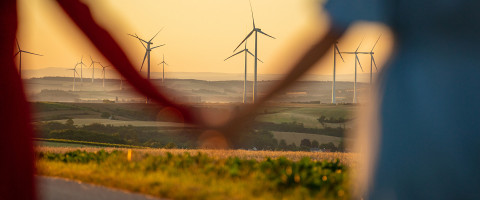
{"x":376,"y":43}
{"x":135,"y":36}
{"x":142,"y":43}
{"x":76,"y":72}
{"x":358,"y":60}
{"x":18,"y":46}
{"x":374,"y":64}
{"x":359,"y":45}
{"x":251,"y":9}
{"x":167,"y":64}
{"x":32,"y":53}
{"x":156,"y":34}
{"x":144,"y":57}
{"x":251,"y":32}
{"x":266,"y":34}
{"x":158,"y":46}
{"x":254,"y":56}
{"x":336,"y":48}
{"x":16,"y":53}
{"x":234,"y":54}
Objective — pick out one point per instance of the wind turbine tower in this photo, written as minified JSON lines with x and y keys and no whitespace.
{"x":74,"y":69}
{"x":19,"y":52}
{"x":104,"y":72}
{"x":81,"y":69}
{"x":256,"y":31}
{"x":148,"y":49}
{"x":163,"y":68}
{"x":372,"y":60}
{"x":92,"y":65}
{"x":245,"y":80}
{"x":335,"y":51}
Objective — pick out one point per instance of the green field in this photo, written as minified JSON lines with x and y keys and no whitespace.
{"x":74,"y":143}
{"x":88,"y":121}
{"x":306,"y":113}
{"x":201,"y":175}
{"x":62,"y":144}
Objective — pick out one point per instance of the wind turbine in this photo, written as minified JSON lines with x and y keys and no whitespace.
{"x":245,"y":80}
{"x":92,"y":65}
{"x":356,"y":52}
{"x":74,"y":69}
{"x":335,"y":51}
{"x":81,"y":69}
{"x":256,"y":31}
{"x":148,"y":50}
{"x":372,"y":59}
{"x":163,"y":67}
{"x":19,"y":52}
{"x":104,"y":72}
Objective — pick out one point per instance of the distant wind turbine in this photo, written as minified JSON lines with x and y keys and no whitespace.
{"x":148,"y":50}
{"x":245,"y":80}
{"x":92,"y":65}
{"x":19,"y":52}
{"x":372,"y":59}
{"x":74,"y":69}
{"x":104,"y":72}
{"x":335,"y":51}
{"x":356,"y":52}
{"x":163,"y":67}
{"x":256,"y":30}
{"x":81,"y":69}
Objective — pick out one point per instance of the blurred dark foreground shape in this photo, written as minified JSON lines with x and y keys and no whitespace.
{"x":427,"y":144}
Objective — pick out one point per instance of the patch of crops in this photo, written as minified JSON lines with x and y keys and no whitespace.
{"x":200,"y":176}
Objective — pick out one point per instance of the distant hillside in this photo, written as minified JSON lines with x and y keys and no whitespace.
{"x":208,"y":76}
{"x":187,"y":90}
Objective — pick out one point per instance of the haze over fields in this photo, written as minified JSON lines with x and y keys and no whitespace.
{"x":59,"y":89}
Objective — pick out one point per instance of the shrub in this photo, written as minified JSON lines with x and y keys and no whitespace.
{"x":170,"y":145}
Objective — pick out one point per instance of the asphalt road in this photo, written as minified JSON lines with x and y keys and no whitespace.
{"x":59,"y":189}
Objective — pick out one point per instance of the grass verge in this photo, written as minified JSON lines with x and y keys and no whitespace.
{"x":200,"y":176}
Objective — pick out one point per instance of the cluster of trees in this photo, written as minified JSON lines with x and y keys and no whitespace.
{"x":299,"y":128}
{"x":323,"y":120}
{"x":307,"y":145}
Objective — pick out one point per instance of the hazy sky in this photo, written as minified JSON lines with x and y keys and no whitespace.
{"x":199,"y":34}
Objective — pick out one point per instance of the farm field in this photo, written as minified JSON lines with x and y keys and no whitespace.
{"x":205,"y":174}
{"x":87,"y":121}
{"x":307,"y":114}
{"x":63,"y":144}
{"x":294,"y":118}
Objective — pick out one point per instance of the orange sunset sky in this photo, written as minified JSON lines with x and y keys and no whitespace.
{"x":199,"y":34}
